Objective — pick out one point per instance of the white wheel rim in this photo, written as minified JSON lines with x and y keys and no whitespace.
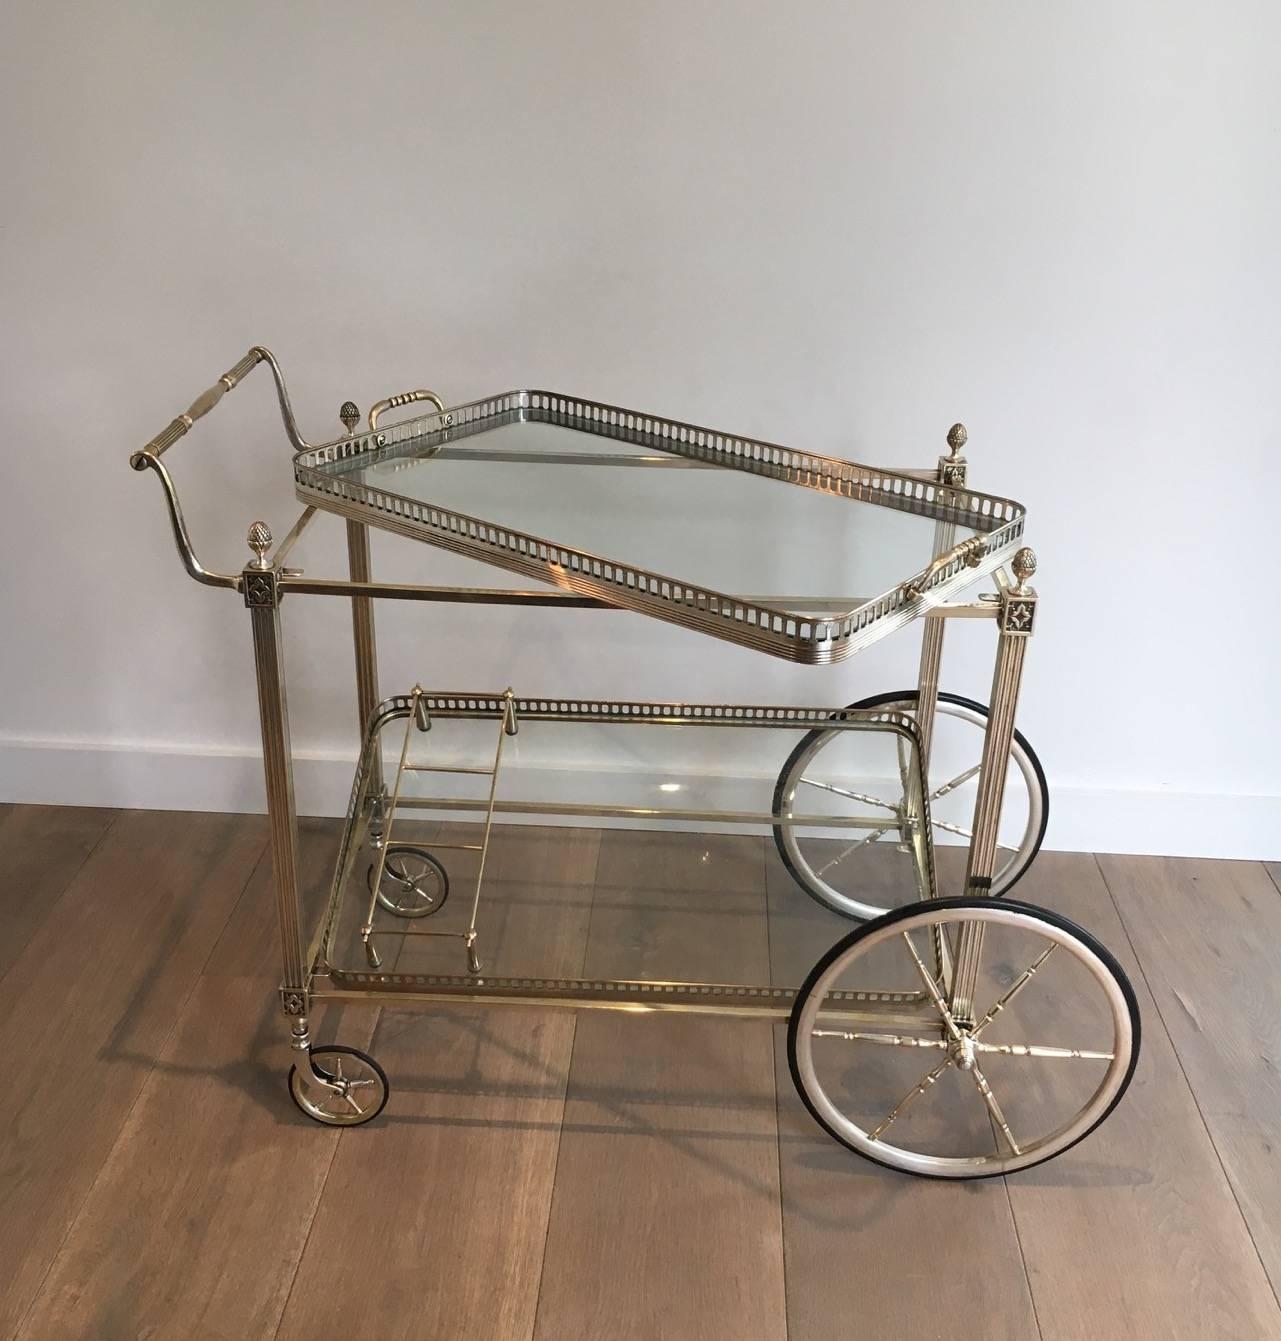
{"x":945,"y":1166}
{"x":1006,"y":871}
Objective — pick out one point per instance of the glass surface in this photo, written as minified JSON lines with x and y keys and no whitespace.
{"x":659,"y":895}
{"x":709,"y":526}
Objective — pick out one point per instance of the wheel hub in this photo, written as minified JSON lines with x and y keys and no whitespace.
{"x":962,"y":1051}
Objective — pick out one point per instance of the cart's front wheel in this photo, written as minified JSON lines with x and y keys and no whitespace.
{"x":1022,"y":1037}
{"x":352,"y":1088}
{"x":831,"y":772}
{"x":414,"y":883}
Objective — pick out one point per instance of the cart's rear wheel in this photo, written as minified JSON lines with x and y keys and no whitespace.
{"x":357,"y":1090}
{"x":1038,"y":1058}
{"x":414,"y":883}
{"x":826,"y":773}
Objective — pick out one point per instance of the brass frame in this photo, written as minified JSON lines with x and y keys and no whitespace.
{"x":264,"y":582}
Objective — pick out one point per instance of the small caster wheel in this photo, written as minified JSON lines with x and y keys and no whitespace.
{"x":357,"y":1091}
{"x":414,"y":883}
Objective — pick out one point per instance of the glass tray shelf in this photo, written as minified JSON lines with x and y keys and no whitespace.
{"x":740,"y":539}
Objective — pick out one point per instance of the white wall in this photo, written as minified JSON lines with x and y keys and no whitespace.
{"x":840,"y":226}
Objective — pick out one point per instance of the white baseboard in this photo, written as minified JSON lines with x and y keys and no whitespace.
{"x":145,"y":776}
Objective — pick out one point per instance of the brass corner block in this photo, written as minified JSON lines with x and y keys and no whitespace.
{"x":261,"y":589}
{"x":1018,"y":614}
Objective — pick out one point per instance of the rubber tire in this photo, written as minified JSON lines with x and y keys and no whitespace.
{"x":320,"y":1049}
{"x":880,"y":701}
{"x":898,"y":915}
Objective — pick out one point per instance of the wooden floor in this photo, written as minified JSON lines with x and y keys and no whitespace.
{"x":541,"y":1175}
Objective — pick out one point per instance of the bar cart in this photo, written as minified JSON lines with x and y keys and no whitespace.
{"x":1020,"y":1027}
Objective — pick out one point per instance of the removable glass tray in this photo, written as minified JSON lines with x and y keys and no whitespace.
{"x":802,"y":556}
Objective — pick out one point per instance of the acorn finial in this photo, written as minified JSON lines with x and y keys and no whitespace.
{"x":350,"y":415}
{"x":957,"y":437}
{"x":1024,"y":565}
{"x":259,"y":540}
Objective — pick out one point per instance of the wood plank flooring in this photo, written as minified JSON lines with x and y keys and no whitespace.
{"x":541,"y":1175}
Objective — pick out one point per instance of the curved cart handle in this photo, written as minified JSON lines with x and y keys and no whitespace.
{"x":205,"y":402}
{"x":198,"y":408}
{"x":149,"y":456}
{"x":377,"y":410}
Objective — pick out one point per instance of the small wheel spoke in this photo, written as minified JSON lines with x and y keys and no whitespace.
{"x":853,"y":847}
{"x":932,"y":988}
{"x":1044,"y":1050}
{"x":967,"y":834}
{"x":353,"y":1105}
{"x":994,"y":1108}
{"x":959,"y":781}
{"x":921,"y":1086}
{"x":904,"y":763}
{"x":887,"y":1040}
{"x":1015,"y":988}
{"x":853,"y":796}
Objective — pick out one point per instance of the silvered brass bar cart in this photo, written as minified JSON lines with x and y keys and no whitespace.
{"x":953,"y":1037}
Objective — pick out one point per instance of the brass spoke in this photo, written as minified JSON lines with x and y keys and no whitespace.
{"x":853,"y":847}
{"x":920,"y":1088}
{"x":959,"y":781}
{"x":932,"y":988}
{"x":904,"y":760}
{"x":994,"y":1108}
{"x":853,"y":796}
{"x":887,"y":1040}
{"x":966,"y":834}
{"x":1044,"y":1050}
{"x":1016,"y":987}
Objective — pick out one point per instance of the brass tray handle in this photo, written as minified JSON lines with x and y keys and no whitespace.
{"x":970,"y":552}
{"x":377,"y":410}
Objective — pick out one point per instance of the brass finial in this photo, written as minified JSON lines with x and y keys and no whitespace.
{"x":1024,"y":565}
{"x":957,"y":437}
{"x":350,"y":415}
{"x":259,"y":540}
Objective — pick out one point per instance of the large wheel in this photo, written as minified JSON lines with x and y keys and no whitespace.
{"x":1039,"y":1056}
{"x":823,"y":775}
{"x":356,"y":1091}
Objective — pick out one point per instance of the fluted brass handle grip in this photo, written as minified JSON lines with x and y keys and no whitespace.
{"x":405,"y":398}
{"x":198,"y":408}
{"x":970,"y":552}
